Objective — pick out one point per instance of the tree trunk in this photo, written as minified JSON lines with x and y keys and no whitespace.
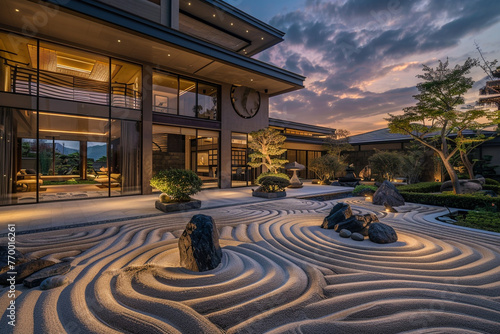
{"x":457,"y":189}
{"x":468,"y":165}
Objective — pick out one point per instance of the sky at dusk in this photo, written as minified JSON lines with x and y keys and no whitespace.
{"x":361,"y":57}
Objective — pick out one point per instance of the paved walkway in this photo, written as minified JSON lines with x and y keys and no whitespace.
{"x":55,"y":215}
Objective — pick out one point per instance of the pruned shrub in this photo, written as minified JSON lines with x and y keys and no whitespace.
{"x":492,"y":187}
{"x":326,"y":166}
{"x":282,"y":175}
{"x":491,"y":182}
{"x":386,"y":164}
{"x":463,"y":201}
{"x":178,"y":184}
{"x":483,"y":219}
{"x":422,"y":187}
{"x":272,"y":184}
{"x":364,"y":190}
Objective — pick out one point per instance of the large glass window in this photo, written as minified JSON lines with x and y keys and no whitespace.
{"x":186,"y":97}
{"x":165,"y":93}
{"x":71,"y":74}
{"x":18,"y":65}
{"x":186,"y":148}
{"x":18,"y":171}
{"x":240,"y":176}
{"x":126,"y":84}
{"x":207,"y":101}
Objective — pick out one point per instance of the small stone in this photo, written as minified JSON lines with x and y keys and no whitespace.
{"x":38,"y":277}
{"x":345,"y":233}
{"x":381,"y":233}
{"x":54,"y":282}
{"x":357,"y":237}
{"x":388,"y":193}
{"x":339,"y":213}
{"x":23,"y":270}
{"x":199,"y":247}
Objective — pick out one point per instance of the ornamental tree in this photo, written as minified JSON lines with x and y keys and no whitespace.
{"x":435,"y":116}
{"x":267,"y":145}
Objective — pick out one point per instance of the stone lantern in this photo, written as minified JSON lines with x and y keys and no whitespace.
{"x":295,"y":166}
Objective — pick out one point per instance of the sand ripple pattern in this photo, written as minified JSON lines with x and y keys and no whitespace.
{"x":280,"y":273}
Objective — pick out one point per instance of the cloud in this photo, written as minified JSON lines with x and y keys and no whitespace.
{"x":361,"y":57}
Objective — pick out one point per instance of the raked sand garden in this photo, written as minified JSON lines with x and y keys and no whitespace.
{"x":280,"y":273}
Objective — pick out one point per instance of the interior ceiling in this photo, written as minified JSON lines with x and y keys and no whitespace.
{"x":90,"y":34}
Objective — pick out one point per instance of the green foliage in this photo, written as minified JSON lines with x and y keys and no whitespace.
{"x":491,"y":182}
{"x":178,"y":184}
{"x":436,"y":114}
{"x":267,"y":145}
{"x":463,"y":201}
{"x":272,"y":184}
{"x":482,"y":219}
{"x":282,"y":175}
{"x":386,"y":164}
{"x":422,"y":187}
{"x":495,"y":188}
{"x":412,"y":163}
{"x":338,"y":143}
{"x":326,"y":166}
{"x":363,"y":190}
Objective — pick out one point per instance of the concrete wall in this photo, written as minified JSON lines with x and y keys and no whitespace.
{"x":232,"y":122}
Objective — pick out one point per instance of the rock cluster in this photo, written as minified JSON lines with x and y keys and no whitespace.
{"x":357,"y":227}
{"x":468,"y":186}
{"x":199,"y":247}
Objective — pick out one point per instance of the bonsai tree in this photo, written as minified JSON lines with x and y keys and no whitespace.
{"x":436,"y":115}
{"x":386,"y":164}
{"x":326,"y":166}
{"x":178,"y":184}
{"x":272,"y":184}
{"x":267,"y":146}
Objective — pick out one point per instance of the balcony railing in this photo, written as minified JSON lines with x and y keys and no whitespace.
{"x":67,"y":87}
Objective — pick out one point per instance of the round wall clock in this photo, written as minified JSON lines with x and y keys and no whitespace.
{"x":246,"y":101}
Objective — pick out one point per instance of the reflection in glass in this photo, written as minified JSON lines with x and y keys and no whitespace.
{"x":18,"y":172}
{"x":165,"y":89}
{"x":240,"y":172}
{"x":207,"y":101}
{"x":187,"y":98}
{"x":126,"y":85}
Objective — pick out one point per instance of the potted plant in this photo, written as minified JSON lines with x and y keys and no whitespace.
{"x":176,"y":185}
{"x":271,"y":187}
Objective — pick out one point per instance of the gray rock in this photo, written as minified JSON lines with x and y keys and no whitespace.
{"x":480,"y":178}
{"x":335,"y":183}
{"x":199,"y":244}
{"x":387,"y":193}
{"x":23,"y":270}
{"x":38,"y":277}
{"x":357,"y":237}
{"x":381,"y":233}
{"x":352,"y":224}
{"x":468,"y":186}
{"x":339,"y":213}
{"x":345,"y":233}
{"x":53,"y":282}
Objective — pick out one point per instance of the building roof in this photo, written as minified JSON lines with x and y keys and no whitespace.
{"x":97,"y":26}
{"x":300,"y":126}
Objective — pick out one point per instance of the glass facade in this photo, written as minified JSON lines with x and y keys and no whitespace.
{"x":241,"y":173}
{"x":176,"y":95}
{"x":303,"y":157}
{"x":187,"y":148}
{"x":93,"y":150}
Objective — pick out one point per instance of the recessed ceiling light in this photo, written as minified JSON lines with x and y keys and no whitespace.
{"x":232,"y":23}
{"x":213,"y":15}
{"x":262,"y":38}
{"x":189,"y":3}
{"x":168,"y":55}
{"x":119,"y":41}
{"x":251,"y":79}
{"x":247,"y":30}
{"x":17,"y":10}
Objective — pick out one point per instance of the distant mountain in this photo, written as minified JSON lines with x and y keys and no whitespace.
{"x":93,"y":152}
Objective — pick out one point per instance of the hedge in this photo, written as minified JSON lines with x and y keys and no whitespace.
{"x":463,"y":201}
{"x":422,"y":187}
{"x":492,"y":187}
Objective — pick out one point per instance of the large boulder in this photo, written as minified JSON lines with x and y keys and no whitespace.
{"x":14,"y":256}
{"x":381,"y":233}
{"x":199,"y":244}
{"x":387,"y":193}
{"x":468,"y":186}
{"x":339,"y":213}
